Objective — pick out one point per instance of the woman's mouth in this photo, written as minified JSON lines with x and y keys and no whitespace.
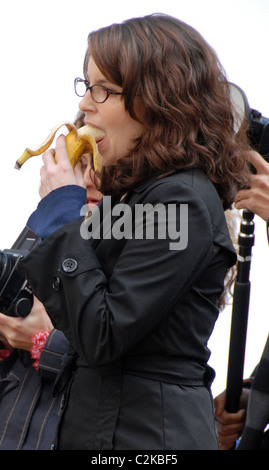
{"x":100,"y":142}
{"x":92,"y":202}
{"x":99,"y":134}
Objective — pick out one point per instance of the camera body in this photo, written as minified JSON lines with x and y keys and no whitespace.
{"x":16,"y":298}
{"x":258,"y":133}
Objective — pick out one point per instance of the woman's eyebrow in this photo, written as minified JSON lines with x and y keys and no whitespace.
{"x":103,"y":81}
{"x":100,"y":81}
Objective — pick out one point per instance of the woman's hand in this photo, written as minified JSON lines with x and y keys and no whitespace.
{"x":256,"y":198}
{"x":18,"y":331}
{"x":54,"y":175}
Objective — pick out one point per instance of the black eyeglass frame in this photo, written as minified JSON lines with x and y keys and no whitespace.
{"x":90,"y":88}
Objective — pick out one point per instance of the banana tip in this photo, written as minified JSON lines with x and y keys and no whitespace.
{"x":17,"y":166}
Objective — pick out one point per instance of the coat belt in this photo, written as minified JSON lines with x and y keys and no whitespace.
{"x":168,"y":369}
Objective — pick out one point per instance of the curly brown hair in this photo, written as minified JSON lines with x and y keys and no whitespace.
{"x":187,"y":112}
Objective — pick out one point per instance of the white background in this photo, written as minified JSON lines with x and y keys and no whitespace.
{"x":42,"y":50}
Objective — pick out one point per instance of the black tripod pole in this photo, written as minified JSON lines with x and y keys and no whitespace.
{"x":240,"y":314}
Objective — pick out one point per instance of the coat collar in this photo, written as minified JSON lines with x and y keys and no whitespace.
{"x":151,"y":179}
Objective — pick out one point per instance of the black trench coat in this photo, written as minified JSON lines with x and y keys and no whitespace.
{"x":138,"y":316}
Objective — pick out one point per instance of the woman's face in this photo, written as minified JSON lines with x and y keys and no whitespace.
{"x":111,"y":117}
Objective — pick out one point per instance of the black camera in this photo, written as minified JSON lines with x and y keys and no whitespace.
{"x":16,"y":298}
{"x":258,"y":133}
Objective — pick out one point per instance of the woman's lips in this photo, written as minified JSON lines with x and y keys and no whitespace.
{"x":92,"y":202}
{"x":100,"y":142}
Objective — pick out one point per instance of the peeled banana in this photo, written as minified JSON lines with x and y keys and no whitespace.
{"x":78,"y":141}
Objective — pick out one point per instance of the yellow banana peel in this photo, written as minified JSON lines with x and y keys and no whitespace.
{"x":78,"y":142}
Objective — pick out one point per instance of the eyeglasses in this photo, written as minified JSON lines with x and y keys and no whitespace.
{"x":99,"y":93}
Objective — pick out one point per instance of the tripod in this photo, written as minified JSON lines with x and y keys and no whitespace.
{"x":240,"y":313}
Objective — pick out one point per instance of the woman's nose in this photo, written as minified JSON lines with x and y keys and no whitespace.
{"x":87,"y":103}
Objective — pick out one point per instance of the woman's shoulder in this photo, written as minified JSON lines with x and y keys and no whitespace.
{"x":191,"y":183}
{"x":191,"y":187}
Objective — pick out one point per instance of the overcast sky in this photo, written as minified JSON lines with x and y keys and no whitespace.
{"x":42,"y":51}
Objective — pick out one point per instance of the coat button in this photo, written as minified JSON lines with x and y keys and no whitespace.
{"x":56,"y":284}
{"x":69,"y":265}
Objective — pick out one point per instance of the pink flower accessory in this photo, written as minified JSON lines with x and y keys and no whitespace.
{"x":39,"y":340}
{"x":4,"y":353}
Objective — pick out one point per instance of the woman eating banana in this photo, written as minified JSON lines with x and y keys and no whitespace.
{"x":138,"y":301}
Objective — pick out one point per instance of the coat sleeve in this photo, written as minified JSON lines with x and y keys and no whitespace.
{"x":104,"y":317}
{"x":52,"y":354}
{"x":52,"y":214}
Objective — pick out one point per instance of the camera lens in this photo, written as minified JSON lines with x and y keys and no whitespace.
{"x":16,"y":297}
{"x":12,"y":286}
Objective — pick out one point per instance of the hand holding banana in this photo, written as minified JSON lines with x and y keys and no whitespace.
{"x":55,"y":174}
{"x":78,"y":141}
